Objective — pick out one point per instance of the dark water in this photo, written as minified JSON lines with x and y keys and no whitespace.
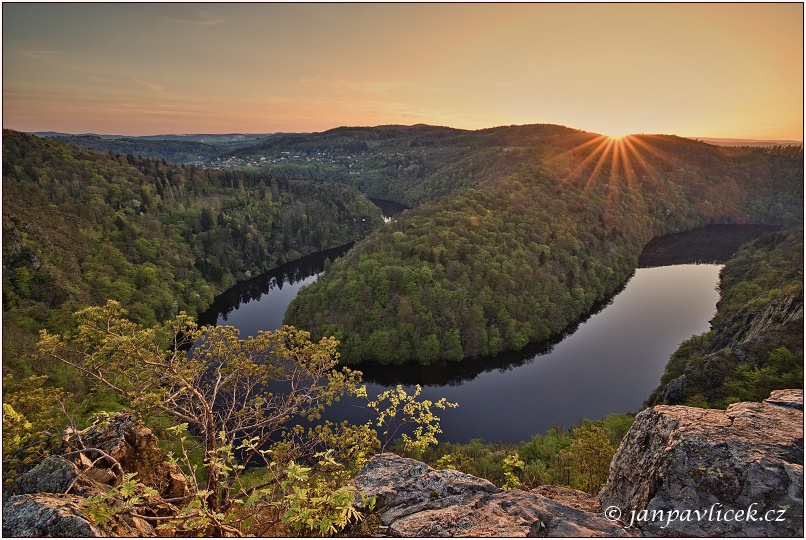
{"x":609,"y":364}
{"x":712,"y":244}
{"x":260,"y":303}
{"x":389,"y":208}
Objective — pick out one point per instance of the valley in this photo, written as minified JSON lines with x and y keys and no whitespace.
{"x":492,"y":283}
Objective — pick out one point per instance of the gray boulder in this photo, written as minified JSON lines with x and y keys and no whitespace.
{"x":43,"y":509}
{"x":415,"y":500}
{"x":41,"y":515}
{"x":53,"y":474}
{"x":57,"y":515}
{"x":683,"y":471}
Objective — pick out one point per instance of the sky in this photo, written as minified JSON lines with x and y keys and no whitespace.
{"x":690,"y":69}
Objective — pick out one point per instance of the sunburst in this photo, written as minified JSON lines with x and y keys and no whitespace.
{"x":627,"y":156}
{"x":622,"y":162}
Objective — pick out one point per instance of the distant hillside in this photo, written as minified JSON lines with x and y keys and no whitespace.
{"x":176,"y":149}
{"x":195,"y":137}
{"x":408,"y":164}
{"x":747,"y":142}
{"x":513,"y":233}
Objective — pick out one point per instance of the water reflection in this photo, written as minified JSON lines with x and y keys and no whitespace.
{"x":712,"y":244}
{"x":609,"y":365}
{"x":249,"y":306}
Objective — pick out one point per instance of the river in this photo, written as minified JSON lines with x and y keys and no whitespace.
{"x":609,"y":364}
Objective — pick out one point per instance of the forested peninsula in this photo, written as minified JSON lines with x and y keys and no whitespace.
{"x":516,"y":231}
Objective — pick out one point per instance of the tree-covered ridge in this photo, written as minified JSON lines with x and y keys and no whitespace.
{"x":417,"y":164}
{"x":407,"y":164}
{"x":177,"y":150}
{"x":553,"y":224}
{"x":755,"y":344}
{"x":80,"y":228}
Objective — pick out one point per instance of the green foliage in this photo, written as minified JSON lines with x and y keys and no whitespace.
{"x":315,"y":506}
{"x":219,"y":391}
{"x":589,"y":454}
{"x":170,"y":150}
{"x":404,"y":409}
{"x":100,"y":509}
{"x":511,"y":463}
{"x":578,"y":458}
{"x":235,"y":400}
{"x":33,"y":419}
{"x":781,"y":369}
{"x":80,"y":228}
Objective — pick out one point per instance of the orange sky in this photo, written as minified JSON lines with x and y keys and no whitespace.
{"x":710,"y":70}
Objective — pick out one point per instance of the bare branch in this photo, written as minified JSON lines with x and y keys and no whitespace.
{"x":104,"y":455}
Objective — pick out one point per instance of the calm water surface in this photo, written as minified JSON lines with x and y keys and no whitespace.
{"x":609,"y":364}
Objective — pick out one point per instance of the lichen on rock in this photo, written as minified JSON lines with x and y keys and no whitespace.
{"x":415,"y":500}
{"x":708,"y":466}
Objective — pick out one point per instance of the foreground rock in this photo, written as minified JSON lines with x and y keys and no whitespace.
{"x":46,"y":515}
{"x":52,"y":496}
{"x":683,"y":471}
{"x":415,"y":500}
{"x":126,"y":439}
{"x":55,"y":515}
{"x":679,"y":471}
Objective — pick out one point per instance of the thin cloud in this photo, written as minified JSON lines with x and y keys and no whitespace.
{"x":342,"y":86}
{"x":52,"y":56}
{"x":203,"y":18}
{"x":150,"y":85}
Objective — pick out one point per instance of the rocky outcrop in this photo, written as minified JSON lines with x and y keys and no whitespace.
{"x":744,"y":339}
{"x":129,"y":442}
{"x":59,"y":515}
{"x":51,"y":495}
{"x":680,"y":471}
{"x":415,"y":500}
{"x":683,"y":471}
{"x":745,"y":328}
{"x":54,"y":474}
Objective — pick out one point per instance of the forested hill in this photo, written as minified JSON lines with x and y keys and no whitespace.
{"x":520,"y":230}
{"x":172,"y":148}
{"x":407,"y":164}
{"x":80,"y":227}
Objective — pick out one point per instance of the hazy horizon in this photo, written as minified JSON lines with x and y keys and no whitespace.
{"x":255,"y":133}
{"x":731,"y":70}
